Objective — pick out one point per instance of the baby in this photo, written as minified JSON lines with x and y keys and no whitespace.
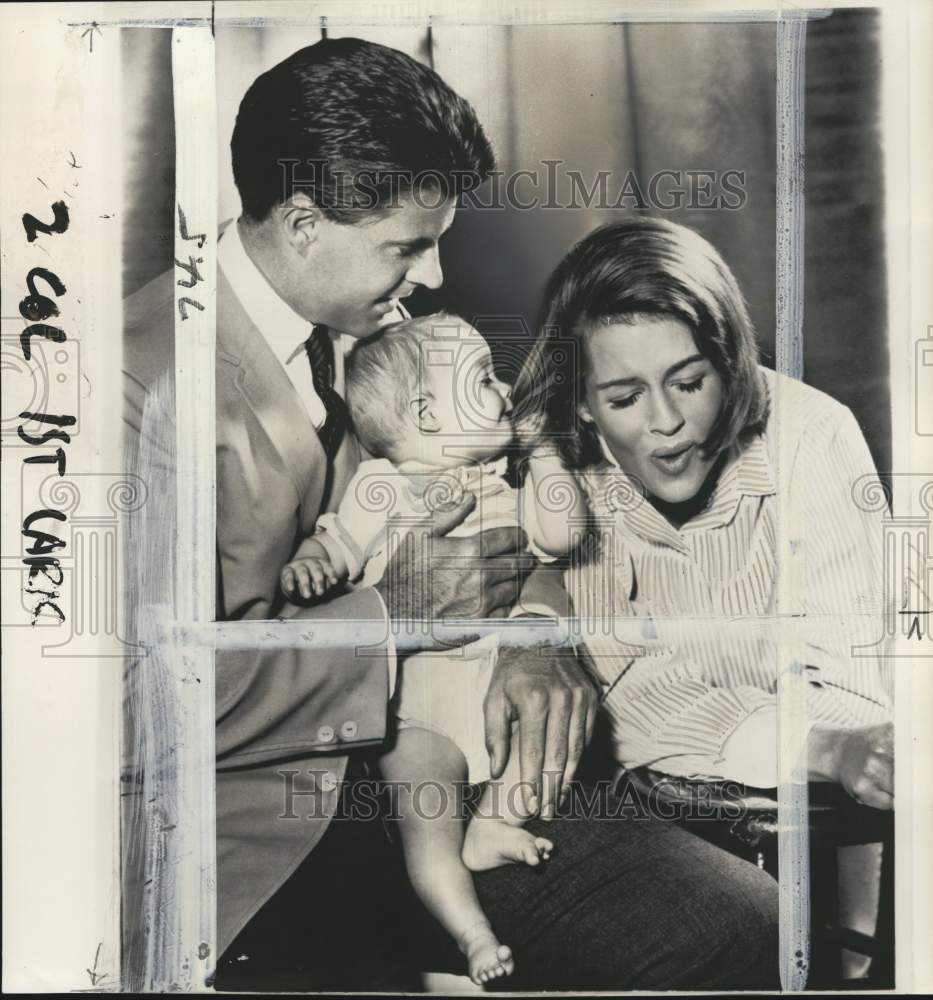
{"x":425,"y":401}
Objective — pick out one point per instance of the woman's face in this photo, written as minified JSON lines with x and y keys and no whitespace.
{"x":654,"y":399}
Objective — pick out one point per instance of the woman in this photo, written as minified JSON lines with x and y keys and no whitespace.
{"x":646,"y":378}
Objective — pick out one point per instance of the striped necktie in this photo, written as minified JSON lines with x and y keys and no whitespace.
{"x":320,"y":351}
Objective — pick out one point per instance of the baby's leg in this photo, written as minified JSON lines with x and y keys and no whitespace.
{"x":494,"y":836}
{"x":423,"y":768}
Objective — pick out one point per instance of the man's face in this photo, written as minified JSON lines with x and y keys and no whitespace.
{"x":358,"y":273}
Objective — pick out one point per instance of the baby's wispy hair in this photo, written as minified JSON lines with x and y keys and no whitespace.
{"x":384,"y":372}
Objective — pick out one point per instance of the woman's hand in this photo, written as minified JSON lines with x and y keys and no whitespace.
{"x":866,"y":769}
{"x":861,"y":760}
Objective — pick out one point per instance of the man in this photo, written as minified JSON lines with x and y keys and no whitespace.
{"x":349,"y":158}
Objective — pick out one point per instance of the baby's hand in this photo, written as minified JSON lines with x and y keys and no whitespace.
{"x":307,"y":576}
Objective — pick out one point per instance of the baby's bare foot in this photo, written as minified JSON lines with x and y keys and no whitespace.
{"x":486,"y":958}
{"x":490,"y":843}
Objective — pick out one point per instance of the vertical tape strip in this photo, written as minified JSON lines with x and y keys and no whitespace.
{"x":192,"y":954}
{"x":793,"y":811}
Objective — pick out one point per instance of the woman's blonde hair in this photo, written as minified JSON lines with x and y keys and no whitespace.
{"x":616,"y":274}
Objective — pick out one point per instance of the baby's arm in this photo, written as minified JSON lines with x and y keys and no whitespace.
{"x":316,"y":568}
{"x":551,"y":486}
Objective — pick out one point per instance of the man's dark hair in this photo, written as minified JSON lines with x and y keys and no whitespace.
{"x":354,"y":125}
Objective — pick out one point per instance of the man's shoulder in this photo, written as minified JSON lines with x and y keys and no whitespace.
{"x":148,"y":359}
{"x":149,"y":329}
{"x":149,"y":323}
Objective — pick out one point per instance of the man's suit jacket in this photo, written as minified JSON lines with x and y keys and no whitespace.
{"x":279,"y":705}
{"x":290,"y":709}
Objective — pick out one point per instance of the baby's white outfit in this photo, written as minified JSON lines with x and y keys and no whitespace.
{"x":442,"y":691}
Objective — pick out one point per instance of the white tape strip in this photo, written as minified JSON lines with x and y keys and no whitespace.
{"x":793,"y":811}
{"x":188,"y":955}
{"x":653,"y":633}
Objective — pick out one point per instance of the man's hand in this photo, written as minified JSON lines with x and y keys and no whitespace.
{"x":431,"y":577}
{"x":555,"y":702}
{"x":861,"y":760}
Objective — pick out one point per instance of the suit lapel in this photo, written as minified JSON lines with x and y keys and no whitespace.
{"x":261,"y":380}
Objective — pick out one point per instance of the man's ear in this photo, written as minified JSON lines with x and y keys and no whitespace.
{"x":423,"y":415}
{"x":301,"y":221}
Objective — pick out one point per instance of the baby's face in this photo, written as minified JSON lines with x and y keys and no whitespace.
{"x":467,"y":406}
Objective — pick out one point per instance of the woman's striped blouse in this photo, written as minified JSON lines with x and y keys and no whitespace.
{"x":698,"y":695}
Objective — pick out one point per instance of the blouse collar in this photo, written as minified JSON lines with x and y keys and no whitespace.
{"x":747,"y":472}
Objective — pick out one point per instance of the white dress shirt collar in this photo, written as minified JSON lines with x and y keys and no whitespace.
{"x":280,"y":326}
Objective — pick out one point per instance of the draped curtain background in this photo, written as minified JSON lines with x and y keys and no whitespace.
{"x":630,"y":99}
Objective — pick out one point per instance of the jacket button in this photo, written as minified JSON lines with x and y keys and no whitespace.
{"x":348,"y":730}
{"x":325,"y":734}
{"x":328,"y":781}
